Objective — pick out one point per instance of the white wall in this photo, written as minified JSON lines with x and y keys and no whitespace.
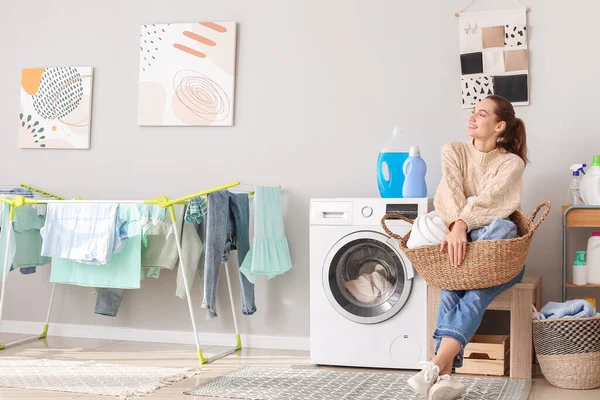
{"x":320,"y":83}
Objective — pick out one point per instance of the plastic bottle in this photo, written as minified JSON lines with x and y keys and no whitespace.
{"x":593,"y":259}
{"x":390,"y":177}
{"x":579,"y":269}
{"x":414,"y":170}
{"x":590,"y":184}
{"x":574,"y":195}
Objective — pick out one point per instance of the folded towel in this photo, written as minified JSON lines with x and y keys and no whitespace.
{"x":427,"y":229}
{"x":568,"y":309}
{"x":499,"y":229}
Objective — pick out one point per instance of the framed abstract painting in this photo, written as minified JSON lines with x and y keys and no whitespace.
{"x":187,"y":74}
{"x":56,"y":108}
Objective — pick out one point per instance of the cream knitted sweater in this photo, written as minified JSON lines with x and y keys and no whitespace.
{"x":494,"y":178}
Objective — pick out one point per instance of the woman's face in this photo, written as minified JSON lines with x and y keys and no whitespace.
{"x":482,"y":122}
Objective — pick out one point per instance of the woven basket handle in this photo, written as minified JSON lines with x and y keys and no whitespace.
{"x":543,"y":204}
{"x":392,"y":234}
{"x":536,"y":313}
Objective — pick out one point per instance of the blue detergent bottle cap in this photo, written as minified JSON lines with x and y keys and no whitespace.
{"x":577,"y":168}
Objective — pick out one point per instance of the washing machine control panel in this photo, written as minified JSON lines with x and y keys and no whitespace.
{"x":365,"y":211}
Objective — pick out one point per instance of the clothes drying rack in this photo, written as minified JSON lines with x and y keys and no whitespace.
{"x":162,"y":201}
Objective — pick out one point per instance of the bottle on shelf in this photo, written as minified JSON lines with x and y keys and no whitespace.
{"x":580,"y":269}
{"x":590,"y":184}
{"x":593,"y":259}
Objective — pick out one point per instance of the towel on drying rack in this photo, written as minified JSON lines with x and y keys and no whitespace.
{"x":124,"y":269}
{"x":86,"y":233}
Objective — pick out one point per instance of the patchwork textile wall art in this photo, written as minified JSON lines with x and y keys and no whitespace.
{"x":56,"y":108}
{"x":494,"y":56}
{"x":187,"y":74}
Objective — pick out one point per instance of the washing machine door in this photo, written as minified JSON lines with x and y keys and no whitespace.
{"x":366,"y":278}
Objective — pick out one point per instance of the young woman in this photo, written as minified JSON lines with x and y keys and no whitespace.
{"x":482,"y":181}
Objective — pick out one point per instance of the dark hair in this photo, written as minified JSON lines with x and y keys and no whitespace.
{"x":514,"y":138}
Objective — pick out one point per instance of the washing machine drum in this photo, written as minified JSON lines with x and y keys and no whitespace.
{"x":365,"y":278}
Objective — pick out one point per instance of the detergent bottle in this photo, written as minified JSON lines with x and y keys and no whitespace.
{"x":414,"y":170}
{"x":590,"y":184}
{"x":574,"y":195}
{"x":390,"y":176}
{"x":580,"y":269}
{"x":593,"y":254}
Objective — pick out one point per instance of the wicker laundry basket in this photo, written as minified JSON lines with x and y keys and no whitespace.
{"x":568,"y":350}
{"x":487,"y":263}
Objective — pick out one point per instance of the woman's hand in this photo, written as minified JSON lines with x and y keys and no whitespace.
{"x":457,"y":243}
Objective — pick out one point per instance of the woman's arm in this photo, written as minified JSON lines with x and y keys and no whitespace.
{"x":499,"y":199}
{"x":450,"y":197}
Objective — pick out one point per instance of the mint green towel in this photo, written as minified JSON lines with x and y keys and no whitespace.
{"x":5,"y":225}
{"x":124,"y":269}
{"x":269,"y":253}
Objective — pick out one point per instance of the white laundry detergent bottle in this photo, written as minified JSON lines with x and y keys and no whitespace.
{"x":593,"y":259}
{"x":579,"y":269}
{"x":590,"y":184}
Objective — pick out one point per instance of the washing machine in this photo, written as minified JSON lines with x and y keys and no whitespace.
{"x":368,"y":307}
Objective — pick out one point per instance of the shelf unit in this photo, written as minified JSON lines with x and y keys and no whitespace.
{"x":576,"y":217}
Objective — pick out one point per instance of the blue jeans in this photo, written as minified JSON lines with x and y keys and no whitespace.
{"x":108,"y":301}
{"x":461,"y":311}
{"x":227,"y":229}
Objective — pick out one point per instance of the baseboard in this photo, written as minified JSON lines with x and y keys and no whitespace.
{"x":155,"y":336}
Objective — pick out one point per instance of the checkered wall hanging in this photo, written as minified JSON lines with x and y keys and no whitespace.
{"x":494,"y":57}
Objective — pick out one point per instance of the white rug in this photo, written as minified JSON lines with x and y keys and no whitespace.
{"x":87,"y":377}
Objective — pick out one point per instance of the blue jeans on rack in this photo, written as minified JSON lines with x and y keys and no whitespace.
{"x":108,"y":301}
{"x":227,"y":228}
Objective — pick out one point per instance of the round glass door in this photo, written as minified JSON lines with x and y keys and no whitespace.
{"x":365,"y":278}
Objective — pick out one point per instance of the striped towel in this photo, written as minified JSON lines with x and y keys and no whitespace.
{"x":196,"y":210}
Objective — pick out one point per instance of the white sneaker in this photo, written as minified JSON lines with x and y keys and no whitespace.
{"x":447,"y":388}
{"x":424,"y":380}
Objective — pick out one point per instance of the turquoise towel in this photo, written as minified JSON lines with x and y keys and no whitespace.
{"x":124,"y":269}
{"x":196,"y":210}
{"x":269,"y":254}
{"x":5,"y":225}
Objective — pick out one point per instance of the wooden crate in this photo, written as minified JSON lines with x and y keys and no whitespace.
{"x":487,"y":355}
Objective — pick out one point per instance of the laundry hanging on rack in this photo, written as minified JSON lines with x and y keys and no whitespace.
{"x":159,"y":251}
{"x":124,"y":269}
{"x":160,"y":248}
{"x":84,"y":233}
{"x":5,"y":225}
{"x":227,"y":229}
{"x":196,"y":210}
{"x":26,"y":240}
{"x":270,"y":253}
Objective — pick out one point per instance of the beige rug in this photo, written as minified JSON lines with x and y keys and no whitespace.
{"x":87,"y":377}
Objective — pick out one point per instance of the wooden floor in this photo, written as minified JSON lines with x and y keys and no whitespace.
{"x":175,"y":355}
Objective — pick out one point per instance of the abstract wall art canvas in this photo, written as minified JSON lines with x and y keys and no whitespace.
{"x":56,"y":108}
{"x":187,"y":74}
{"x":494,"y":56}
